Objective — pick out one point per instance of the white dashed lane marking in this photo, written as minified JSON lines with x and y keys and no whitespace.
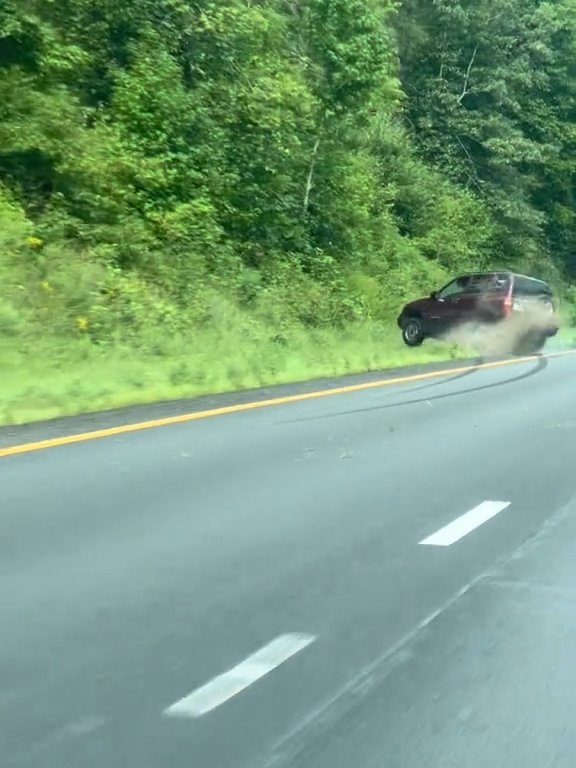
{"x":465,"y":524}
{"x":224,"y":687}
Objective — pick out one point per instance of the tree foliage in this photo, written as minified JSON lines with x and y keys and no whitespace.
{"x":490,"y":87}
{"x":329,"y":155}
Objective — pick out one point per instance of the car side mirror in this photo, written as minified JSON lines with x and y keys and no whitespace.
{"x":434,"y":295}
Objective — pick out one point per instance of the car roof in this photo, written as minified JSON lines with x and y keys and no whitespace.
{"x":506,"y":272}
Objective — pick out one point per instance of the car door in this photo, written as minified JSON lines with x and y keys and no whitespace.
{"x":449,"y":306}
{"x":468,"y":303}
{"x":495,"y":296}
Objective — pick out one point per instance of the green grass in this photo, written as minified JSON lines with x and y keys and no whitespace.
{"x":53,"y":380}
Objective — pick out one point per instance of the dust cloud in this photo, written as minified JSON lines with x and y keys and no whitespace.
{"x":522,"y":334}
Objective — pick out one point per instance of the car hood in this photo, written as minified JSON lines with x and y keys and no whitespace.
{"x":417,"y":303}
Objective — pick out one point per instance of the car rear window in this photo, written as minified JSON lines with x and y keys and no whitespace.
{"x":527,"y":286}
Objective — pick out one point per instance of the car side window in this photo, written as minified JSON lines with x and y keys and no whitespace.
{"x":478,"y":284}
{"x":454,"y":288}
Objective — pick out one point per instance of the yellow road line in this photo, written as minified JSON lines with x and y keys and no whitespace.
{"x":197,"y":416}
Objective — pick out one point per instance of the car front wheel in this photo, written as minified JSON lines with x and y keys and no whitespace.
{"x":412,"y":332}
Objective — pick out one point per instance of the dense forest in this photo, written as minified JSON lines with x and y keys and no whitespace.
{"x":269,"y":166}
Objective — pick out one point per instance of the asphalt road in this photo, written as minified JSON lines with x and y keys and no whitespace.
{"x":380,"y":578}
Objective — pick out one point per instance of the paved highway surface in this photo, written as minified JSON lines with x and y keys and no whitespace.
{"x":380,"y":579}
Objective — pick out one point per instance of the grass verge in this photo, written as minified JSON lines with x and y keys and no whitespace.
{"x":50,"y":379}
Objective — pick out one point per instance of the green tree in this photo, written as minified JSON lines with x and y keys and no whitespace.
{"x":483,"y":81}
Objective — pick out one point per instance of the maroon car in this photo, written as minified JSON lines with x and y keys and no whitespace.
{"x":525,"y":304}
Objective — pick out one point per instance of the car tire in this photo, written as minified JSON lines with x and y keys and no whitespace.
{"x":530,"y":344}
{"x":412,"y":332}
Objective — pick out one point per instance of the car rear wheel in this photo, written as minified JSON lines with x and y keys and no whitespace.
{"x":530,"y":344}
{"x":412,"y":332}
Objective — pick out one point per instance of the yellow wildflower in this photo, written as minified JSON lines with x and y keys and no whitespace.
{"x":34,"y":242}
{"x":82,"y":323}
